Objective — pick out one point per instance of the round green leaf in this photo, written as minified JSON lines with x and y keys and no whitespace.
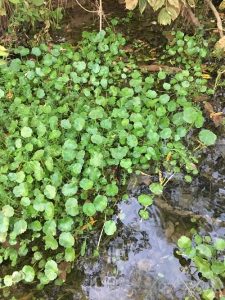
{"x":145,"y":200}
{"x":100,"y":203}
{"x":29,"y":273}
{"x":156,"y":188}
{"x":110,"y":227}
{"x":66,"y":239}
{"x":184,"y":242}
{"x":51,"y":270}
{"x":72,"y":208}
{"x":207,"y":137}
{"x":26,"y":132}
{"x":220,"y":244}
{"x":89,"y":209}
{"x":86,"y":184}
{"x":50,"y":191}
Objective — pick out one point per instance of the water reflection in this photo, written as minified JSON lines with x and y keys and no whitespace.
{"x":139,"y":263}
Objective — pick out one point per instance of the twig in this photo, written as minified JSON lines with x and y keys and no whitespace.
{"x":90,"y":11}
{"x":219,"y":74}
{"x":100,"y":12}
{"x":189,"y":290}
{"x":168,"y":179}
{"x":100,"y":237}
{"x":192,"y":16}
{"x":217,"y":16}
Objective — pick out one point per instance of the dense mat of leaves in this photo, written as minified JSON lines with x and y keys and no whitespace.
{"x":71,"y":119}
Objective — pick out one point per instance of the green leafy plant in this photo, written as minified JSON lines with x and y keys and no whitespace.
{"x":207,"y":257}
{"x":71,"y":120}
{"x":169,"y":10}
{"x":28,"y":14}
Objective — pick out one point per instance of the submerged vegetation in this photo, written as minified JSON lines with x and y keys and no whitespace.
{"x":75,"y":122}
{"x":208,"y":259}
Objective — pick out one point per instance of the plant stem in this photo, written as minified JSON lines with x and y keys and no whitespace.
{"x":217,"y":16}
{"x":90,"y":11}
{"x":100,"y":15}
{"x":100,"y":237}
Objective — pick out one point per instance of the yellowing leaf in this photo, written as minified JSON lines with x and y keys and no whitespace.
{"x":222,"y":5}
{"x":2,"y":48}
{"x":164,"y":17}
{"x":3,"y":51}
{"x":2,"y":11}
{"x":156,"y":4}
{"x":191,"y":3}
{"x":175,"y":3}
{"x":206,"y":76}
{"x":131,"y":4}
{"x":142,"y":5}
{"x":173,"y":12}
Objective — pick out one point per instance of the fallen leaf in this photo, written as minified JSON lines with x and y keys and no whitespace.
{"x":157,"y":68}
{"x":92,"y":221}
{"x":63,"y":268}
{"x":206,"y":76}
{"x":9,"y":95}
{"x":208,"y":108}
{"x":27,"y":297}
{"x":131,"y":4}
{"x":200,"y":98}
{"x":216,"y":117}
{"x":169,"y":156}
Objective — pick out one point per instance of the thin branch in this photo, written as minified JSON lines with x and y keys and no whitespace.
{"x":168,"y":179}
{"x":100,"y":12}
{"x":100,"y":237}
{"x":217,"y":16}
{"x":90,"y":11}
{"x":192,"y":16}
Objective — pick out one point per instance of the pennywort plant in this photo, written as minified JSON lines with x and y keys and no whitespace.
{"x":74,"y":121}
{"x":207,"y":257}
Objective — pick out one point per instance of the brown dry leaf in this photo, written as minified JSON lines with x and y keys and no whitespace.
{"x":157,"y":68}
{"x":131,"y":4}
{"x":216,"y":117}
{"x":208,"y":107}
{"x":92,"y":221}
{"x":63,"y":269}
{"x":201,"y":98}
{"x":9,"y":96}
{"x":27,"y":297}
